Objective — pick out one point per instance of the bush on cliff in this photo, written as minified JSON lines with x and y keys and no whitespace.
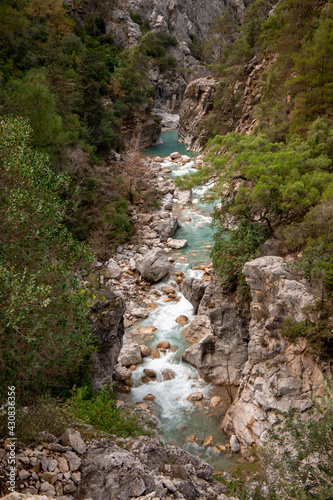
{"x":43,"y":323}
{"x":299,"y":453}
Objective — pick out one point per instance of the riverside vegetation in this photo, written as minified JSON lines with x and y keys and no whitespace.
{"x":56,"y":78}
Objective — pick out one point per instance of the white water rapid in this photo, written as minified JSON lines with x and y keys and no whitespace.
{"x":175,"y":379}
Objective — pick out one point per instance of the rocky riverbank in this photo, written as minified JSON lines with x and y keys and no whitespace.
{"x":142,"y":468}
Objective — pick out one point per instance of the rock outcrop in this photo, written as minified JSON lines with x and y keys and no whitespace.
{"x":193,"y":290}
{"x":182,"y":19}
{"x":198,"y":101}
{"x":278,"y":375}
{"x":144,"y":469}
{"x":107,"y":320}
{"x":222,"y":351}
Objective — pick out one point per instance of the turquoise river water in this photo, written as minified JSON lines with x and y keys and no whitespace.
{"x":181,"y":418}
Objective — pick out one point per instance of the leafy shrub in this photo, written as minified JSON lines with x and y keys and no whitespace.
{"x":196,"y":47}
{"x":232,"y":249}
{"x":299,"y":450}
{"x":100,"y":410}
{"x":317,"y":330}
{"x":136,"y":18}
{"x":44,"y":322}
{"x":47,"y":415}
{"x":167,"y":63}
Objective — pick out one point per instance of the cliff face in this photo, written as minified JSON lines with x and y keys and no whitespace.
{"x":245,"y":348}
{"x":107,"y":320}
{"x":198,"y":101}
{"x":179,"y":18}
{"x":278,"y":375}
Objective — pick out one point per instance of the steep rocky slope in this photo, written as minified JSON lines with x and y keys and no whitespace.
{"x":199,"y":101}
{"x":182,"y":19}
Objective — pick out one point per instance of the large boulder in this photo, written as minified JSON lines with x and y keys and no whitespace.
{"x":72,"y":438}
{"x":107,"y":320}
{"x":182,"y":197}
{"x":130,"y":353}
{"x":193,"y":290}
{"x":177,"y":244}
{"x":154,"y":265}
{"x":113,"y":270}
{"x":167,"y":228}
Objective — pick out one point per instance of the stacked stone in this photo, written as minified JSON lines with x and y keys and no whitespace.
{"x":50,"y":469}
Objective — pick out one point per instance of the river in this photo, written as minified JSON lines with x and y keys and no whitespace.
{"x":182,"y":419}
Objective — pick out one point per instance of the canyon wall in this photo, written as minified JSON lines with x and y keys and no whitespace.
{"x":245,"y":348}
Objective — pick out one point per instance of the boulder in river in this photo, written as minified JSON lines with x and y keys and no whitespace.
{"x":185,"y":159}
{"x":121,"y":372}
{"x":149,"y":397}
{"x":215,"y":401}
{"x":193,"y":290}
{"x":150,"y":373}
{"x":145,"y":351}
{"x":182,"y":320}
{"x":175,"y":155}
{"x":164,"y":344}
{"x":195,"y":396}
{"x":168,"y":374}
{"x":154,"y":265}
{"x":177,"y":244}
{"x":147,"y":330}
{"x":167,"y":228}
{"x":130,"y":353}
{"x":209,"y":441}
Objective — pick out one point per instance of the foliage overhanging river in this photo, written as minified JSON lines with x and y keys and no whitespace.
{"x":181,"y":418}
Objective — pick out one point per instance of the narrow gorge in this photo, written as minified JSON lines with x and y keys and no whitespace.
{"x":166,"y":267}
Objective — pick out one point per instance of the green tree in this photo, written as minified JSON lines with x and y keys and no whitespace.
{"x":313,"y":84}
{"x":30,"y":97}
{"x":264,"y":187}
{"x":44,"y":330}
